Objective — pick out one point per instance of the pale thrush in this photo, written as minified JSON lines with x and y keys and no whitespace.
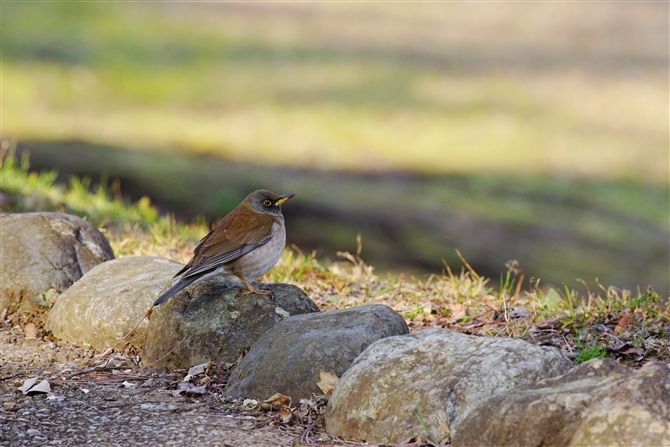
{"x":241,"y":248}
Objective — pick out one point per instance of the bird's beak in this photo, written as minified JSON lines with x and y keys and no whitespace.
{"x":284,"y":198}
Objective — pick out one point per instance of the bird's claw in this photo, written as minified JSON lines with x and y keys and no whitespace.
{"x":259,"y":291}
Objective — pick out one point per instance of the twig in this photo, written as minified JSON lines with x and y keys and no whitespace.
{"x":621,"y":343}
{"x":660,"y":314}
{"x":469,"y":267}
{"x":26,"y":420}
{"x":305,"y":436}
{"x":170,"y":351}
{"x":93,"y":370}
{"x":133,"y":329}
{"x":518,"y":286}
{"x":11,"y":377}
{"x":128,"y":404}
{"x":505,"y":315}
{"x":397,"y":289}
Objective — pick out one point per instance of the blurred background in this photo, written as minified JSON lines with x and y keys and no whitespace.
{"x":535,"y":132}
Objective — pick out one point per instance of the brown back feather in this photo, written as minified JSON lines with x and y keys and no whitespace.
{"x":241,"y":227}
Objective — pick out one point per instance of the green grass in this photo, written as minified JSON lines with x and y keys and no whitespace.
{"x":131,"y":227}
{"x":583,"y":323}
{"x":548,"y":118}
{"x":593,"y":351}
{"x":558,"y":228}
{"x":433,"y":433}
{"x":551,"y":118}
{"x":38,"y":191}
{"x":365,"y":87}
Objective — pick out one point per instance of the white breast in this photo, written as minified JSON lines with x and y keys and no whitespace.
{"x":258,"y":262}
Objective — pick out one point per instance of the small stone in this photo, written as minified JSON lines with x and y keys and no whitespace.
{"x":33,"y":432}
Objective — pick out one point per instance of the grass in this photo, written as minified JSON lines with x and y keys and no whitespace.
{"x":631,"y":325}
{"x":559,"y":228}
{"x":594,"y":351}
{"x":133,"y":228}
{"x":544,"y":125}
{"x":505,"y":96}
{"x":435,"y":88}
{"x":434,"y":434}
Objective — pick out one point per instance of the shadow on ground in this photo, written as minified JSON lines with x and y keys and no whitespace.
{"x":558,"y":228}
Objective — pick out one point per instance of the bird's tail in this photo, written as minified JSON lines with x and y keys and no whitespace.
{"x":172,"y":290}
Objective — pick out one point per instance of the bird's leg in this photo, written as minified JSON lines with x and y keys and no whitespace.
{"x":252,"y":289}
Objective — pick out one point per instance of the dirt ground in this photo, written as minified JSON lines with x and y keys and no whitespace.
{"x":109,"y":400}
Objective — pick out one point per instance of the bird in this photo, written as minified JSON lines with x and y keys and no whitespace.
{"x":244,"y":245}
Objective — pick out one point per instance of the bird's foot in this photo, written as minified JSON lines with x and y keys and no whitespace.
{"x":256,"y":290}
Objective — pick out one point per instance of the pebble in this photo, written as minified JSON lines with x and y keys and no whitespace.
{"x":76,"y":418}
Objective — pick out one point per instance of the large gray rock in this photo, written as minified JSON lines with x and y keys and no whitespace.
{"x":286,"y":359}
{"x":599,"y":403}
{"x":218,"y":321}
{"x":108,"y":301}
{"x":41,"y":251}
{"x":436,"y":376}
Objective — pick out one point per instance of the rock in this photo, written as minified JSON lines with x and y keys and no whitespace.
{"x":436,"y":376}
{"x":286,"y":359}
{"x":218,"y":321}
{"x":599,"y":403}
{"x":42,"y":251}
{"x":108,"y":301}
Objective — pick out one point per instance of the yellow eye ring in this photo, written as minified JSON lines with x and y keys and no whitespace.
{"x":267,"y":202}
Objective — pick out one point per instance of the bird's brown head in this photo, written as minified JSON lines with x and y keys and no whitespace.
{"x":266,"y":202}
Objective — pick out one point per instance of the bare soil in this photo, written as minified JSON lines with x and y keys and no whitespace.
{"x":109,"y":400}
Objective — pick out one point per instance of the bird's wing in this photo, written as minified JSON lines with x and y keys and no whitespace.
{"x":195,"y":251}
{"x":236,"y":235}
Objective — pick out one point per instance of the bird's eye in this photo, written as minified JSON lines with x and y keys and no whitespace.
{"x":267,"y":202}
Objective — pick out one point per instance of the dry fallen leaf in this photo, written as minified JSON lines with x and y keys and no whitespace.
{"x":302,"y":410}
{"x":286,"y":414}
{"x":30,"y":387}
{"x":458,"y":312}
{"x":197,"y":369}
{"x":279,"y":400}
{"x":249,"y":402}
{"x":30,"y":331}
{"x":27,"y":384}
{"x":327,"y":381}
{"x":622,"y":324}
{"x":42,"y":387}
{"x":427,"y":308}
{"x":189,"y":388}
{"x":520,"y":312}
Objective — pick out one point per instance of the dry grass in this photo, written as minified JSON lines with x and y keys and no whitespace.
{"x":620,"y":323}
{"x":632,"y":325}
